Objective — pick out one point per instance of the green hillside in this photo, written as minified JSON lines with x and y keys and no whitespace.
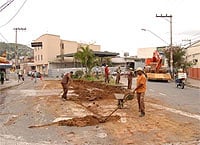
{"x":10,"y":48}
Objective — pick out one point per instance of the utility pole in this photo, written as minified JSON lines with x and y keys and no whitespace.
{"x":170,"y":47}
{"x":16,"y":49}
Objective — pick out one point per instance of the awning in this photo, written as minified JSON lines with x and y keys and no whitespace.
{"x":4,"y":65}
{"x":36,"y":44}
{"x":96,"y":53}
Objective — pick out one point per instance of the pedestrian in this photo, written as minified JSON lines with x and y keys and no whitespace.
{"x":65,"y":82}
{"x":35,"y":76}
{"x":23,"y":77}
{"x":97,"y":72}
{"x":2,"y":77}
{"x":118,"y":75}
{"x":140,"y":90}
{"x":107,"y":71}
{"x":130,"y":78}
{"x":19,"y":75}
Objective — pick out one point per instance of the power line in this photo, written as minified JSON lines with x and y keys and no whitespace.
{"x":3,"y":37}
{"x":5,"y":5}
{"x":14,"y":15}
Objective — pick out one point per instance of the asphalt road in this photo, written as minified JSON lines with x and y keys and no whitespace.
{"x":187,"y":99}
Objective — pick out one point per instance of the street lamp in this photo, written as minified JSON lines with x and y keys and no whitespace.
{"x":155,"y":35}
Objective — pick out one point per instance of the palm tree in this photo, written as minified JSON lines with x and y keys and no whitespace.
{"x":86,"y":56}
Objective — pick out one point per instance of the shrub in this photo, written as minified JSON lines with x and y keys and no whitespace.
{"x":78,"y":74}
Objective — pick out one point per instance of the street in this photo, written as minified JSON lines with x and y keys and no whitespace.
{"x":173,"y":116}
{"x":187,"y":99}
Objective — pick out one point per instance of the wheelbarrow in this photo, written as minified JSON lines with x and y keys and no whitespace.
{"x":121,"y":100}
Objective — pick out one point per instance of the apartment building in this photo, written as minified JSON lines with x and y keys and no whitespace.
{"x":49,"y":52}
{"x":193,"y":55}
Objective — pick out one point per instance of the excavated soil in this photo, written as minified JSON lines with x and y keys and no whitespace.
{"x":82,"y":91}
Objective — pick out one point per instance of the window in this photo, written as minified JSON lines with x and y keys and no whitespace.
{"x":38,"y":57}
{"x":35,"y":58}
{"x":41,"y":57}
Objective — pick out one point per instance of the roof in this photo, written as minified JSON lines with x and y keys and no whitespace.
{"x":96,"y":53}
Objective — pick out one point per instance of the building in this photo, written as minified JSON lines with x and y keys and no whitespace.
{"x":145,"y":52}
{"x":193,"y":55}
{"x":54,"y":56}
{"x":48,"y":47}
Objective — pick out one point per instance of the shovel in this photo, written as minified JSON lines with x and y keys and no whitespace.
{"x":126,"y":97}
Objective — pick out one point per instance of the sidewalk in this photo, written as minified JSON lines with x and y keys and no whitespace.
{"x":193,"y":83}
{"x":9,"y":84}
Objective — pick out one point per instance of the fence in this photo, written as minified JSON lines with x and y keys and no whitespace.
{"x":194,"y":73}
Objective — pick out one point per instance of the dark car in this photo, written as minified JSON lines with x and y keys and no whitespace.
{"x":38,"y":74}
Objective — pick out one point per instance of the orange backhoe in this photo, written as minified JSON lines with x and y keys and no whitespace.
{"x":154,"y":68}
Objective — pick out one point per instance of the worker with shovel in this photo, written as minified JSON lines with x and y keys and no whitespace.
{"x":66,"y":80}
{"x":140,"y":90}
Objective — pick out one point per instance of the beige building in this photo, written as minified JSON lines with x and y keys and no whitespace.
{"x":48,"y":51}
{"x":193,"y":55}
{"x":145,"y":52}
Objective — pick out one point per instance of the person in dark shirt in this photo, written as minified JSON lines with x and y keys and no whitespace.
{"x":65,"y":82}
{"x":130,"y":78}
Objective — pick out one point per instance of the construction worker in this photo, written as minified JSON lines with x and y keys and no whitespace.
{"x":118,"y":75}
{"x":130,"y":78}
{"x":66,"y":80}
{"x":107,"y":74}
{"x":140,"y":90}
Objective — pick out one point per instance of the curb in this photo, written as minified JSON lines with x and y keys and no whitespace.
{"x":8,"y":87}
{"x":189,"y":85}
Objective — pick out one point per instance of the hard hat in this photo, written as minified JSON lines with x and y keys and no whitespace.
{"x":139,"y":69}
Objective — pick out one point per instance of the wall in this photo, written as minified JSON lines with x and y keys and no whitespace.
{"x":145,"y":52}
{"x":193,"y":54}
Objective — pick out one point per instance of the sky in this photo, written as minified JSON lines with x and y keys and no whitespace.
{"x":114,"y":24}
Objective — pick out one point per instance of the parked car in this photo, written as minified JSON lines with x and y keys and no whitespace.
{"x":32,"y":73}
{"x":38,"y":74}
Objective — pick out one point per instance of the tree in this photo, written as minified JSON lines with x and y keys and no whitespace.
{"x":86,"y":56}
{"x":179,"y":58}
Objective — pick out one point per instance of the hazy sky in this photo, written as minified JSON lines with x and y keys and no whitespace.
{"x":114,"y":24}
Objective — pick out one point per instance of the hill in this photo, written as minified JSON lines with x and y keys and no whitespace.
{"x":23,"y":50}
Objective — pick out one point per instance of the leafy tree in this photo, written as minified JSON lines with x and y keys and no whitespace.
{"x":179,"y":58}
{"x":86,"y":56}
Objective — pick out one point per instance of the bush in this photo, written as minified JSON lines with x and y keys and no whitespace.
{"x":78,"y":74}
